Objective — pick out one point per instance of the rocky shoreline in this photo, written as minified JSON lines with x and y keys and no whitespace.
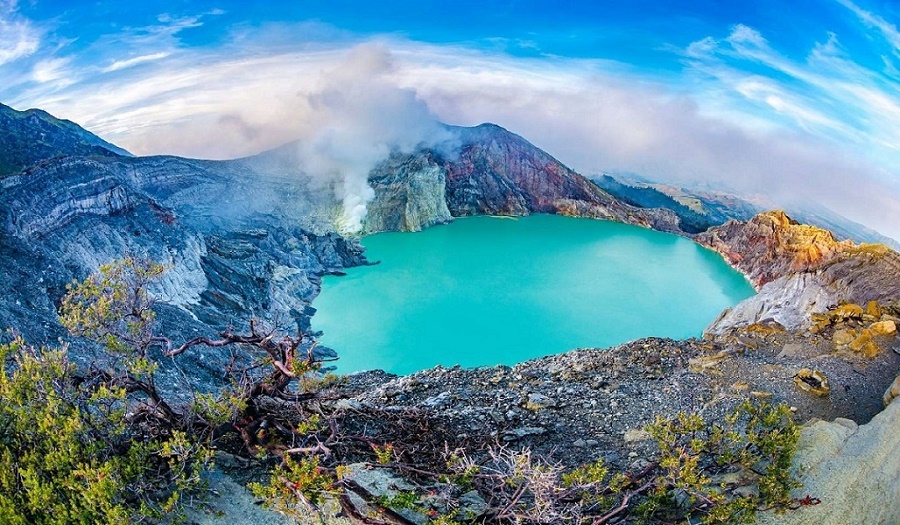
{"x":587,"y":404}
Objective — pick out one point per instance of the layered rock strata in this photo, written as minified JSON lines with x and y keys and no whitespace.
{"x":799,"y":270}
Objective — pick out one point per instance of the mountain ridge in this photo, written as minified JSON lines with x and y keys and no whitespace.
{"x":33,"y":135}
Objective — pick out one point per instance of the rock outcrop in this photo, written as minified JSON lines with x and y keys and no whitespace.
{"x":237,"y":241}
{"x":410,"y":194}
{"x":772,"y":245}
{"x":854,"y":471}
{"x":799,"y":270}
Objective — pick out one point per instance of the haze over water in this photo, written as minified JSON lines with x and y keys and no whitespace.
{"x":487,"y":291}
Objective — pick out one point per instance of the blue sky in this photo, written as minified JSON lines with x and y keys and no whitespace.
{"x":782,"y":99}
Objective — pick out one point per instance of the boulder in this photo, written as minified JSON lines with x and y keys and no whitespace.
{"x":812,"y":381}
{"x":884,"y":328}
{"x":791,"y":350}
{"x":852,"y":470}
{"x":521,"y":432}
{"x":844,"y":336}
{"x":847,"y":311}
{"x":893,"y":392}
{"x":635,"y":435}
{"x":864,"y":344}
{"x":365,"y":482}
{"x":537,"y":402}
{"x":873,"y":309}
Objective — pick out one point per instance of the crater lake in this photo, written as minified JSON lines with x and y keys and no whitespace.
{"x":498,"y":290}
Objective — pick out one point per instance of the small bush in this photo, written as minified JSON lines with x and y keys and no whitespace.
{"x":69,"y":454}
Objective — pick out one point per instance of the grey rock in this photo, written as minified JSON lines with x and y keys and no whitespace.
{"x":409,"y":194}
{"x":382,"y":483}
{"x":230,"y":503}
{"x":536,"y":402}
{"x":791,"y":350}
{"x":788,"y":300}
{"x":852,"y":470}
{"x":636,"y":435}
{"x":471,"y":506}
{"x":441,"y":400}
{"x":521,"y":432}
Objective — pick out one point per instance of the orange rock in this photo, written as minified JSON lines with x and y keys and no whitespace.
{"x":844,"y":337}
{"x":812,"y":381}
{"x":847,"y":311}
{"x":864,"y":344}
{"x":873,"y":309}
{"x":883,"y":328}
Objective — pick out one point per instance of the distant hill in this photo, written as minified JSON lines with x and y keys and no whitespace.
{"x":842,"y":227}
{"x":690,"y":220}
{"x":701,"y":209}
{"x":32,"y":136}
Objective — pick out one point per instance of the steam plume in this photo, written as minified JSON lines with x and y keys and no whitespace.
{"x":359,"y":117}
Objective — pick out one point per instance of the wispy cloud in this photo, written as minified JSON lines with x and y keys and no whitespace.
{"x":131,"y":62}
{"x":888,"y":30}
{"x":18,"y":37}
{"x":827,"y":94}
{"x":740,"y":114}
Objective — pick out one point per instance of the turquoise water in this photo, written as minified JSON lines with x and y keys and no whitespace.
{"x":487,"y":291}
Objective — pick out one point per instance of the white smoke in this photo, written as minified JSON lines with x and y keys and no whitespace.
{"x":358,"y":116}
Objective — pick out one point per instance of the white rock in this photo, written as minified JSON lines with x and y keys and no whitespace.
{"x":789,"y":300}
{"x":854,"y":471}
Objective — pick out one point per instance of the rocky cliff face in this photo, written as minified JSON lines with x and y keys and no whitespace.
{"x":238,"y":242}
{"x":772,"y":245}
{"x":799,"y":270}
{"x":486,"y":170}
{"x":852,"y":469}
{"x":410,"y":194}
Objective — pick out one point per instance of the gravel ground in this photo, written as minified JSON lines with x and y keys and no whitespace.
{"x":589,"y":403}
{"x":581,"y":405}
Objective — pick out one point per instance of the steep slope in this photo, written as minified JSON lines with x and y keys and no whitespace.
{"x":841,"y":227}
{"x":690,"y":220}
{"x":799,"y":269}
{"x":28,"y":137}
{"x":487,"y":170}
{"x":237,"y":241}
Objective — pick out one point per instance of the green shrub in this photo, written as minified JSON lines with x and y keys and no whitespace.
{"x":69,"y":454}
{"x":755,"y":448}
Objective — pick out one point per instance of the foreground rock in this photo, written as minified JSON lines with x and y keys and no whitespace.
{"x":587,"y":404}
{"x":854,"y":471}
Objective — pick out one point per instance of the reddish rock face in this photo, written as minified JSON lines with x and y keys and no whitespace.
{"x":490,"y":171}
{"x":772,"y":245}
{"x":498,"y":172}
